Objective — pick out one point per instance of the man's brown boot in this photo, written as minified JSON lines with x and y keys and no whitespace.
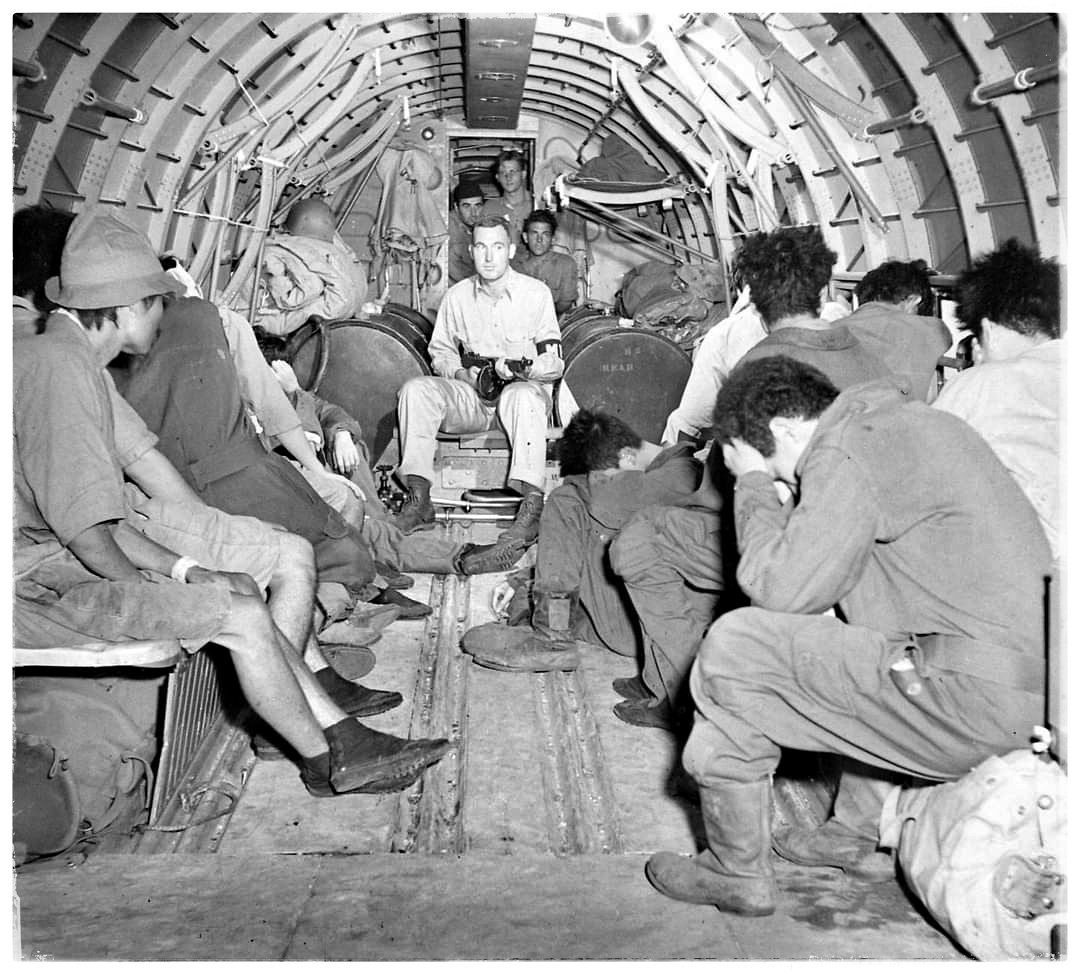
{"x":417,"y":512}
{"x":735,"y":872}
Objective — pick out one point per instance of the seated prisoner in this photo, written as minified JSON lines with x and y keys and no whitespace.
{"x":895,"y":322}
{"x":677,"y":563}
{"x":787,"y":271}
{"x":334,"y":431}
{"x":307,"y":271}
{"x":177,"y":517}
{"x":87,"y":562}
{"x":608,"y":473}
{"x":929,"y":672}
{"x":792,"y":295}
{"x":515,"y":202}
{"x":275,"y":418}
{"x":1010,"y":300}
{"x":38,"y":234}
{"x":185,"y":388}
{"x":557,"y":271}
{"x":506,"y":321}
{"x":468,"y":209}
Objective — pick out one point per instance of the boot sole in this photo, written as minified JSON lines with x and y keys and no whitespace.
{"x":377,"y":707}
{"x":506,"y":668}
{"x":384,"y":773}
{"x":849,"y":869}
{"x":763,"y":911}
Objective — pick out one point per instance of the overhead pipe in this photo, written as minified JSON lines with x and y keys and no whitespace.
{"x":718,"y":112}
{"x":917,"y":116}
{"x":91,"y":99}
{"x":293,"y":89}
{"x":32,"y":71}
{"x":1026,"y":78}
{"x":641,"y":228}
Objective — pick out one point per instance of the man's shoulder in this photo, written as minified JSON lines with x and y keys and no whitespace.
{"x":524,"y":283}
{"x":57,"y":345}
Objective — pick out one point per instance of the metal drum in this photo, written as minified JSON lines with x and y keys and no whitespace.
{"x":360,"y":364}
{"x":632,"y":373}
{"x":422,"y":323}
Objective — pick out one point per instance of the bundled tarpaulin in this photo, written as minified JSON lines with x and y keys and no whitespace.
{"x":408,"y":218}
{"x":681,"y":302}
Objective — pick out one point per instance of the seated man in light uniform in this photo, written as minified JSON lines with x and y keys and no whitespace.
{"x":718,"y":352}
{"x":1011,"y":300}
{"x":500,"y":314}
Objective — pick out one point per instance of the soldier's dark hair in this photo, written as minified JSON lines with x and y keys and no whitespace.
{"x":785,"y":271}
{"x":1014,"y":287}
{"x":541,"y":216}
{"x":38,"y":235}
{"x":894,"y":281}
{"x":592,"y":440}
{"x":763,"y":389}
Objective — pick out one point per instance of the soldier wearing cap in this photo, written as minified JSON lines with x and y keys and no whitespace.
{"x":89,"y":565}
{"x":468,"y":209}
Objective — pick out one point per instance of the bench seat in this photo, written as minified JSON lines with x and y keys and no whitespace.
{"x":149,"y":653}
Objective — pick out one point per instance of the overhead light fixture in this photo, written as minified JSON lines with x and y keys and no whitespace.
{"x":494,"y":99}
{"x":494,"y":118}
{"x":497,"y":42}
{"x":495,"y":76}
{"x":629,"y":28}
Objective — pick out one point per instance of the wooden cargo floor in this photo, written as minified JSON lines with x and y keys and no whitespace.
{"x":528,"y":841}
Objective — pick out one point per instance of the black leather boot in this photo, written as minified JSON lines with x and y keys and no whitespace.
{"x":526,"y":524}
{"x":368,"y":761}
{"x":417,"y":511}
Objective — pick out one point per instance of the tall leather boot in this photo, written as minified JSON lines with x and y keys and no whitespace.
{"x":417,"y":511}
{"x":548,"y":644}
{"x":735,"y":872}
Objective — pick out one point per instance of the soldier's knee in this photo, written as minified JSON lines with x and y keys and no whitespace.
{"x":420,"y":388}
{"x":296,"y":556}
{"x":522,"y":396}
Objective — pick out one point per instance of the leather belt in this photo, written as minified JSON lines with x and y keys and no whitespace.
{"x":971,"y":657}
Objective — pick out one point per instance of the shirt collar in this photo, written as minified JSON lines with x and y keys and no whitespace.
{"x":66,"y":322}
{"x":504,"y":287}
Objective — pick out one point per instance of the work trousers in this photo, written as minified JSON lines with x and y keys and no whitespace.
{"x":572,"y":556}
{"x":425,"y":551}
{"x":767,"y":680}
{"x":429,"y":403}
{"x":670,"y":562}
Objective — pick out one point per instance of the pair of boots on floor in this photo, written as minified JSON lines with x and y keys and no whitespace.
{"x":549,"y":644}
{"x":735,"y":872}
{"x":358,"y":759}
